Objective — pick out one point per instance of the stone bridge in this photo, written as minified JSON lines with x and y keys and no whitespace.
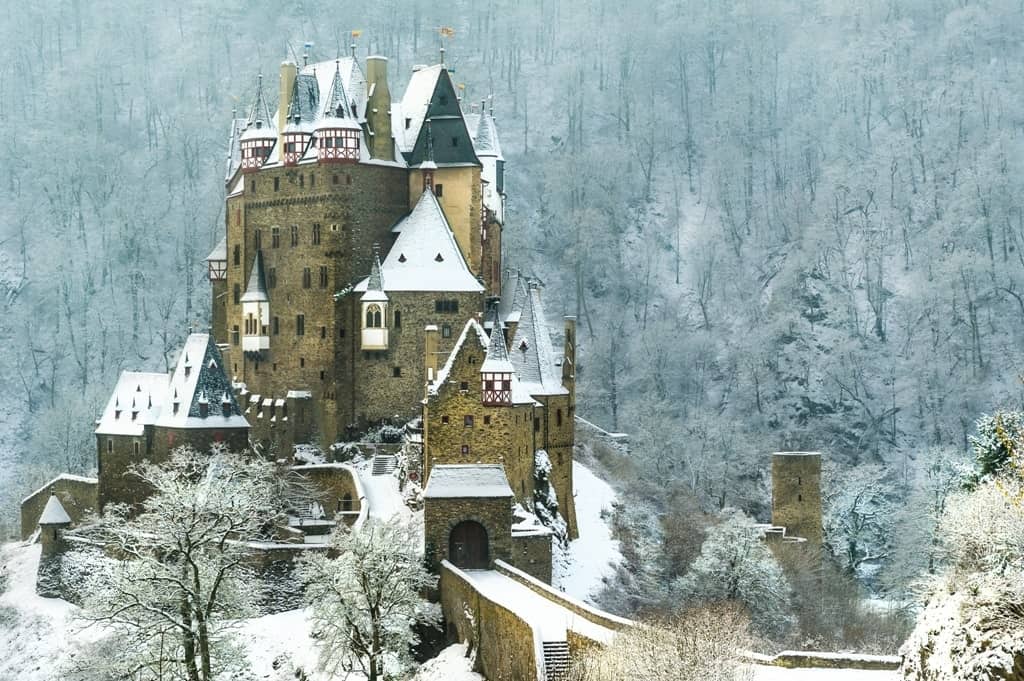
{"x":520,"y":628}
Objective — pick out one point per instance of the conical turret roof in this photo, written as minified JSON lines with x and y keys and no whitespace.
{"x":375,"y":284}
{"x":54,"y":513}
{"x":256,"y":291}
{"x":497,"y":352}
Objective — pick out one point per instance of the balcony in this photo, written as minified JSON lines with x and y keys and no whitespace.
{"x":375,"y":339}
{"x":255,"y":343}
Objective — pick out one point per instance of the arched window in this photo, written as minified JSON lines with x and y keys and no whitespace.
{"x":373,"y":317}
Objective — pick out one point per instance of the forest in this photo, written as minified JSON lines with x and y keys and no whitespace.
{"x":782,"y":225}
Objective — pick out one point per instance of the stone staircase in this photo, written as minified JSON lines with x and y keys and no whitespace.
{"x":384,"y":464}
{"x":556,"y":660}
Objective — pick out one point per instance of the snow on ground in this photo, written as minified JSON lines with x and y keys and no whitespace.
{"x":281,"y":640}
{"x":765,"y":673}
{"x":581,"y":569}
{"x":35,"y":632}
{"x":451,"y":665}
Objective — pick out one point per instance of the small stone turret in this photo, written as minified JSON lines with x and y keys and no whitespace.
{"x":52,"y":524}
{"x":378,"y":109}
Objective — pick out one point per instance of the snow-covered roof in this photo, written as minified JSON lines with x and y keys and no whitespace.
{"x":220,"y":251}
{"x":497,"y":360}
{"x":413,"y":106}
{"x":200,"y":384}
{"x":134,"y":404}
{"x":425,"y":256}
{"x":485,"y":138}
{"x":375,"y":283}
{"x":54,"y":513}
{"x":256,"y":291}
{"x":62,"y":476}
{"x":530,"y":349}
{"x":467,"y":481}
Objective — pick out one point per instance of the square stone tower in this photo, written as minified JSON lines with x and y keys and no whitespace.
{"x":796,"y":494}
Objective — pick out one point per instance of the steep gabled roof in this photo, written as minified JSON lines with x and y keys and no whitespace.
{"x":430,"y":95}
{"x":134,"y":404}
{"x":497,"y":360}
{"x":413,"y":106}
{"x":256,"y":291}
{"x":475,"y":335}
{"x":425,"y":256}
{"x":200,"y":383}
{"x":530,"y":349}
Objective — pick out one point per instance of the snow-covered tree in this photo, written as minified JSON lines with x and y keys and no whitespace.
{"x":699,"y":644}
{"x":735,"y":565}
{"x":545,"y":499}
{"x":858,"y":516}
{"x":998,"y":436}
{"x":367,"y":600}
{"x":177,"y":575}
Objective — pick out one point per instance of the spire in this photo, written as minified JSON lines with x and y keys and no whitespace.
{"x":256,"y":291}
{"x":497,"y":352}
{"x":376,"y":282}
{"x":429,"y":163}
{"x":337,"y":101}
{"x":54,"y":513}
{"x":259,"y":112}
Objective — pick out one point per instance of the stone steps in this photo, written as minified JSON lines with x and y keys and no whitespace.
{"x":384,"y":464}
{"x":556,"y":660}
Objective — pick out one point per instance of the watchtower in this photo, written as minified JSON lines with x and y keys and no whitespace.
{"x":796,"y":494}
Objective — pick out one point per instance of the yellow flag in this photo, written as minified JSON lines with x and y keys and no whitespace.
{"x":462,"y":86}
{"x":356,"y":33}
{"x":447,"y":31}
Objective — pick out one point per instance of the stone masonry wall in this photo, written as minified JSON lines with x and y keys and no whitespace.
{"x":557,"y":435}
{"x":440,"y":516}
{"x":796,"y":495}
{"x":531,"y":553}
{"x":77,"y":496}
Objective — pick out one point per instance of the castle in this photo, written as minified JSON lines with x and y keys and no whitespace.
{"x":359,"y":282}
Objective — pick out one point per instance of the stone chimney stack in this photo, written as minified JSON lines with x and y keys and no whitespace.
{"x":430,"y":352}
{"x":289,"y":72}
{"x":378,"y":109}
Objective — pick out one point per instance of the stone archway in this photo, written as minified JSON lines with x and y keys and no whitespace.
{"x":467,"y":546}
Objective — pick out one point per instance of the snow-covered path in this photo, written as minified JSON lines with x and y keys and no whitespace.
{"x":552,"y":619}
{"x":764,"y":673}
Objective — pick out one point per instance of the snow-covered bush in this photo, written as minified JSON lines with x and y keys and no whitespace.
{"x":545,"y":499}
{"x":735,"y":565}
{"x":695,"y":645}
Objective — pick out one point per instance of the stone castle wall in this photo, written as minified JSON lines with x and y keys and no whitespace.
{"x":78,"y":496}
{"x":796,"y":495}
{"x":531,"y":553}
{"x":440,"y":516}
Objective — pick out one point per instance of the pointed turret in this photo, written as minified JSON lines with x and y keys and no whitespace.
{"x":496,"y":370}
{"x":54,"y":513}
{"x":338,"y":133}
{"x":375,"y":308}
{"x":260,"y":135}
{"x":256,"y":309}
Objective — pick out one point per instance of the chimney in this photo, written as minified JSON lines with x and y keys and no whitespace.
{"x":378,"y":109}
{"x":430,"y":352}
{"x":289,"y":71}
{"x":569,"y":357}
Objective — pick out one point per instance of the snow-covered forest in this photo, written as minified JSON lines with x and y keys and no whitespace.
{"x":783,"y":224}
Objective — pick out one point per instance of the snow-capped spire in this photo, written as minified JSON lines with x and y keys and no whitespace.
{"x":497,"y":352}
{"x":54,"y":513}
{"x":259,"y":112}
{"x":375,"y":284}
{"x":256,"y":291}
{"x":337,"y":100}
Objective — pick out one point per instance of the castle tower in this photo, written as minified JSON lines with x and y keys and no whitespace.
{"x":217,"y":263}
{"x":796,"y":494}
{"x":52,"y":523}
{"x":256,"y":310}
{"x":378,"y":109}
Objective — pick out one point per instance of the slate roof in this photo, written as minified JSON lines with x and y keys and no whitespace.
{"x":497,"y":360}
{"x":220,"y":251}
{"x":134,"y":404}
{"x":530,"y":348}
{"x":467,"y":481}
{"x":199,"y":378}
{"x":474,"y":332}
{"x":54,"y":513}
{"x":256,"y":291}
{"x":375,"y":282}
{"x":425,"y":257}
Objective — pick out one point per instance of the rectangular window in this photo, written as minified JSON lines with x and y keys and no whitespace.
{"x":300,"y":325}
{"x":237,"y":255}
{"x":316,"y":234}
{"x":275,"y":237}
{"x":323,"y":332}
{"x":334,"y":179}
{"x":252,"y":187}
{"x":257,"y":239}
{"x":444,"y":420}
{"x":487,"y":420}
{"x":307,"y":278}
{"x":323,"y":276}
{"x":272,"y":277}
{"x":302,"y":362}
{"x":398,"y":319}
{"x":536,"y":425}
{"x":463,"y":386}
{"x":110,"y":446}
{"x":237,"y":293}
{"x":438,"y":190}
{"x":465,"y":449}
{"x":135,"y":448}
{"x":446,"y":331}
{"x":234,"y":335}
{"x":323,"y":374}
{"x":295,"y":235}
{"x":312,"y":179}
{"x":558,"y":418}
{"x":446,"y":306}
{"x":396,"y":372}
{"x":467,"y":420}
{"x":277,"y":183}
{"x":277,"y":325}
{"x":302,"y":180}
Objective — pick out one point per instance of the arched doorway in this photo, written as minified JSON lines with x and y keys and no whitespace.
{"x":467,"y":546}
